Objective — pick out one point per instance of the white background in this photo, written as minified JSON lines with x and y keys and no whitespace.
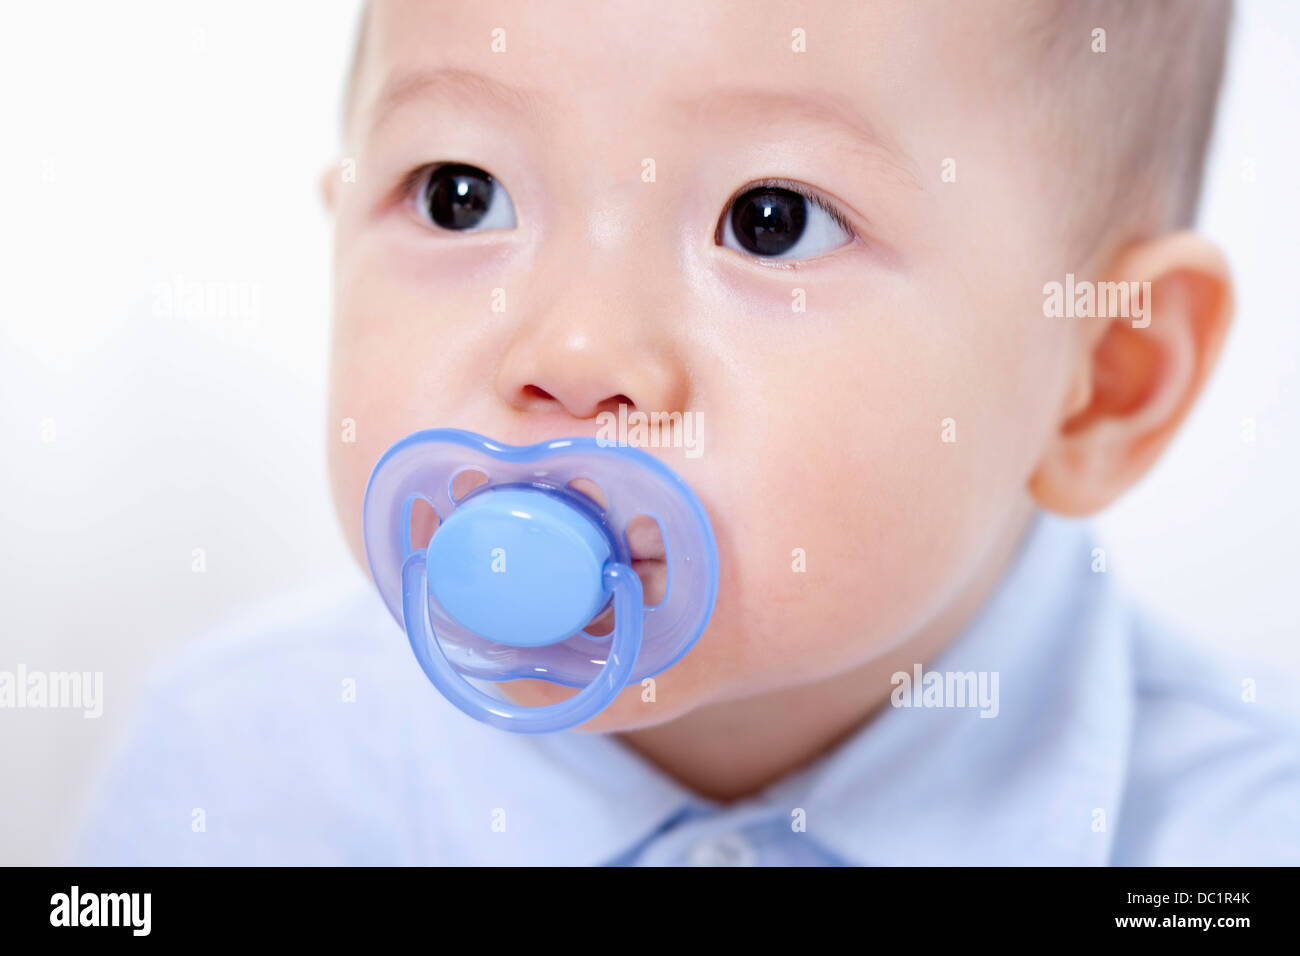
{"x":151,"y":145}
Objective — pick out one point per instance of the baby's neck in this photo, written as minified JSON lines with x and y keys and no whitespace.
{"x":734,"y":749}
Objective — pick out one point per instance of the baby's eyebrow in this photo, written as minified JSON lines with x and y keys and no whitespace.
{"x":452,"y":84}
{"x":797,"y":110}
{"x":755,"y":107}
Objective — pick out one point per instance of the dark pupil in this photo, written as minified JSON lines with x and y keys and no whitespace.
{"x":769,"y":221}
{"x":458,"y":196}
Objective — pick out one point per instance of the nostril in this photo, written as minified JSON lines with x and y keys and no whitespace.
{"x":574,"y":401}
{"x":612,"y":405}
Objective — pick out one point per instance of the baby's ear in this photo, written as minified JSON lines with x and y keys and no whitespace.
{"x":329,"y":185}
{"x":1137,"y":375}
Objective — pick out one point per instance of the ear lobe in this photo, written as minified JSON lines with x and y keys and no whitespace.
{"x":1139,"y":374}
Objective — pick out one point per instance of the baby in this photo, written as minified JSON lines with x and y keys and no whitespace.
{"x":923,"y":272}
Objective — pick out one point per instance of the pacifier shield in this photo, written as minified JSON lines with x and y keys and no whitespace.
{"x":492,"y":625}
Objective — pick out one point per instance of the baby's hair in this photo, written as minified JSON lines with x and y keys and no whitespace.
{"x":1136,"y":119}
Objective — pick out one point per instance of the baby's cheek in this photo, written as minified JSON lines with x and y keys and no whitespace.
{"x":394,"y":369}
{"x":873,"y":508}
{"x":374,"y":390}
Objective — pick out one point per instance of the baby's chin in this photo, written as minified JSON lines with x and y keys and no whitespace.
{"x":629,"y":711}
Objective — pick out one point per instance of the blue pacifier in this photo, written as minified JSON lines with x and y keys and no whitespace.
{"x":519,"y":566}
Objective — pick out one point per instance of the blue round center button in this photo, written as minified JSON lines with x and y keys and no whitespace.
{"x":519,"y":566}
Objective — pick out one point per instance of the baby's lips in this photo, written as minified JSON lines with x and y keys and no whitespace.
{"x":653,"y":573}
{"x":645,"y":544}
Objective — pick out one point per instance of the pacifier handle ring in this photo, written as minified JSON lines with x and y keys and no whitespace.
{"x":505,"y":715}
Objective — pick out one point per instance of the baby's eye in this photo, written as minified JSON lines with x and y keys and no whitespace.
{"x":777,"y":222}
{"x":464,"y":198}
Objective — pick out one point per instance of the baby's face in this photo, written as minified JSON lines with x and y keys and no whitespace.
{"x":833,"y":335}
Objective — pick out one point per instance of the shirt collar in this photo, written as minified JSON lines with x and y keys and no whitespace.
{"x":565,"y":799}
{"x":1042,"y":780}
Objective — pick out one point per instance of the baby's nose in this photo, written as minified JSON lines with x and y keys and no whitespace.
{"x":591,"y":349}
{"x":586,"y":375}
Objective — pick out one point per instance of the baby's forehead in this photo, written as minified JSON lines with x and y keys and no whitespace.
{"x":669,"y":51}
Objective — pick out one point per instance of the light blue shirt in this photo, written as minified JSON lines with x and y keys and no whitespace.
{"x":1112,"y":744}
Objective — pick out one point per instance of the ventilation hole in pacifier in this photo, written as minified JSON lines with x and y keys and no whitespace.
{"x":463,"y":482}
{"x":645,"y":541}
{"x":424,"y":522}
{"x":585,"y":486}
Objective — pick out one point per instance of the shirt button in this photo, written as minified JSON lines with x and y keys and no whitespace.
{"x":724,"y":849}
